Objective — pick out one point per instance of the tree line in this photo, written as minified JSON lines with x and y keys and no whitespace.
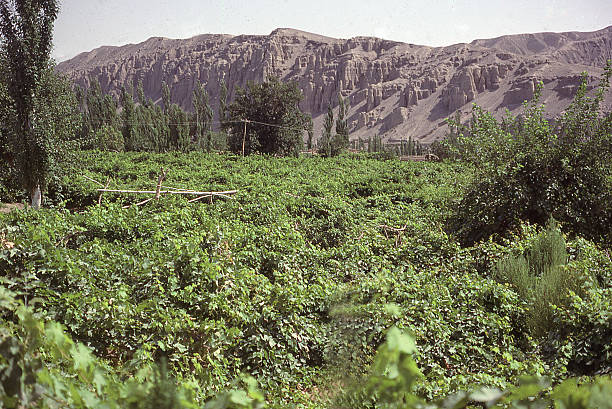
{"x":137,"y":123}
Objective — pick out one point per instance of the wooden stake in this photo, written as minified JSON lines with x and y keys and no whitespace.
{"x":244,"y":137}
{"x":101,"y":193}
{"x":161,"y":178}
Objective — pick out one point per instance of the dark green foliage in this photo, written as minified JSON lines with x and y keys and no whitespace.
{"x":165,"y":97}
{"x":128,"y":119}
{"x":274,"y":122}
{"x":531,"y":170}
{"x":178,"y":123}
{"x":310,"y":142}
{"x":108,"y":138}
{"x":26,"y":30}
{"x":341,"y":139}
{"x":98,"y":111}
{"x":325,"y":143}
{"x":334,"y":144}
{"x":201,"y":118}
{"x":296,"y":280}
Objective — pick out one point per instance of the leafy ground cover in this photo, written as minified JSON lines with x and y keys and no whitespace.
{"x":296,"y":281}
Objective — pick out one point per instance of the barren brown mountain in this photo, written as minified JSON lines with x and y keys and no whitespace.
{"x":395,"y":89}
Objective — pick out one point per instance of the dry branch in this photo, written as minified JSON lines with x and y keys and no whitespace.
{"x":139,"y":203}
{"x":199,"y":198}
{"x":163,"y":190}
{"x":170,"y":192}
{"x":93,"y":180}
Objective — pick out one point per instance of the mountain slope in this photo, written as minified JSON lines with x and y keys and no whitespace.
{"x":395,"y":89}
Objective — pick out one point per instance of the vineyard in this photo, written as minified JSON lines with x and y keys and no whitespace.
{"x":143,"y":265}
{"x":295,"y":280}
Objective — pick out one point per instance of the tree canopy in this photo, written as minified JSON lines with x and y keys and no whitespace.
{"x":26,"y":29}
{"x":273,"y":120}
{"x":531,"y":169}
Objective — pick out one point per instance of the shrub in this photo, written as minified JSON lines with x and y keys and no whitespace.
{"x":531,"y":170}
{"x":541,"y":277}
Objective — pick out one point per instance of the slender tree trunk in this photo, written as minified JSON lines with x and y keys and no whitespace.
{"x":36,"y":197}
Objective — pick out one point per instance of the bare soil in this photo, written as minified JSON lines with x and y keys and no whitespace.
{"x":9,"y":207}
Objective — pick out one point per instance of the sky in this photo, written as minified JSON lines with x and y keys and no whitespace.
{"x":87,"y":24}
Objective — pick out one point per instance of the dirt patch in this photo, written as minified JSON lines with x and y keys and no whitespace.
{"x":9,"y":207}
{"x":4,"y":243}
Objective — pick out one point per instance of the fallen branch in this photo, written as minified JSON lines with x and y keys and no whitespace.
{"x":164,"y":190}
{"x":200,"y":198}
{"x":180,"y":189}
{"x":398,"y":232}
{"x":139,"y":203}
{"x":395,"y":229}
{"x":92,"y":180}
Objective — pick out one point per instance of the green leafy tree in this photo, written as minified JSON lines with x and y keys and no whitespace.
{"x":309,"y":145}
{"x":273,"y":120}
{"x":341,"y":139}
{"x":178,"y":123}
{"x":165,"y":96}
{"x":150,"y":127}
{"x":109,"y":138}
{"x":99,"y":112}
{"x":325,"y":143}
{"x":26,"y":29}
{"x":128,"y":120}
{"x":531,"y":170}
{"x":202,"y":117}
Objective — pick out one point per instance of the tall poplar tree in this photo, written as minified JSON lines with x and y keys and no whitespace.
{"x":325,"y":145}
{"x":26,"y":29}
{"x":202,"y":117}
{"x":341,"y":140}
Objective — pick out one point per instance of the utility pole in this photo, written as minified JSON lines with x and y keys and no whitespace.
{"x":244,"y":136}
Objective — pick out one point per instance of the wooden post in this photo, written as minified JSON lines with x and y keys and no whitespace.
{"x":244,"y":137}
{"x":161,"y":178}
{"x":105,"y":187}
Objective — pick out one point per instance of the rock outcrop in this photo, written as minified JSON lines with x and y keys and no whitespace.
{"x":394,"y":89}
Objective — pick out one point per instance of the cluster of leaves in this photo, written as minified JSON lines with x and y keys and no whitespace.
{"x":395,"y":374}
{"x":530,"y":170}
{"x":41,"y":366}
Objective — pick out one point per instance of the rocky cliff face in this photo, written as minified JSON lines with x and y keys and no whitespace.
{"x":395,"y":89}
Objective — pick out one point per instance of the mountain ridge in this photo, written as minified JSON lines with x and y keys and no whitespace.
{"x":395,"y":89}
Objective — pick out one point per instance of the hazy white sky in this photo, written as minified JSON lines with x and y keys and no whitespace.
{"x":87,"y":24}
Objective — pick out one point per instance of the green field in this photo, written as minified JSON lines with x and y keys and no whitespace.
{"x":295,"y":280}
